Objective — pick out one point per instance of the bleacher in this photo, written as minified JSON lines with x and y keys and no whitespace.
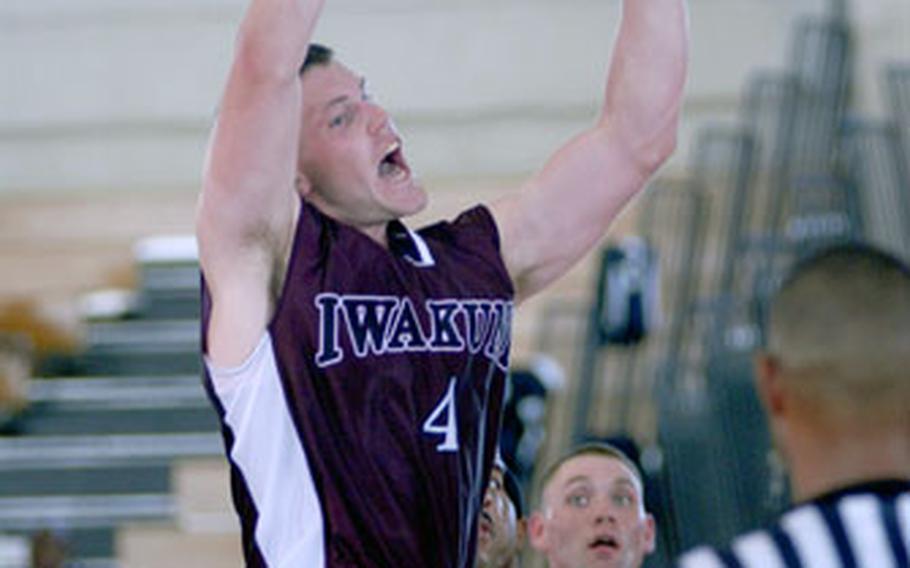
{"x":101,"y":451}
{"x":797,"y":170}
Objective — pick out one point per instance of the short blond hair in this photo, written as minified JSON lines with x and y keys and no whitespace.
{"x":841,"y":320}
{"x":601,"y":449}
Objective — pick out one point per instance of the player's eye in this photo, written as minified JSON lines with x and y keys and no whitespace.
{"x":343,"y":118}
{"x":579,"y":500}
{"x":339,"y":120}
{"x":623,"y":499}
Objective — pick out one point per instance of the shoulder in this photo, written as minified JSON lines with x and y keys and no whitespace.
{"x":472,"y":238}
{"x":475,"y":224}
{"x":755,"y":548}
{"x":849,"y":523}
{"x":473,"y":231}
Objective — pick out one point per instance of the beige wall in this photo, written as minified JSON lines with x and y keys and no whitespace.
{"x":117,"y":96}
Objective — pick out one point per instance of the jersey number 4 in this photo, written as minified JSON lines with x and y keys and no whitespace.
{"x":443,"y":421}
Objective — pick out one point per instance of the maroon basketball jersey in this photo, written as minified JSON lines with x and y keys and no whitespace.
{"x":362,"y":429}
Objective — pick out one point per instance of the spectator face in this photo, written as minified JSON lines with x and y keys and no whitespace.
{"x":500,"y":532}
{"x":593,"y":515}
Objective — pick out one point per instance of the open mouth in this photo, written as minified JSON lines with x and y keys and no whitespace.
{"x":604,"y":542}
{"x":393,"y":165}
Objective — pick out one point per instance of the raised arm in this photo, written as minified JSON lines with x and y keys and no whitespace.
{"x":564,"y":210}
{"x":248,"y":206}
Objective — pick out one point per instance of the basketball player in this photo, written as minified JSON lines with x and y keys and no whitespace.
{"x":357,"y":364}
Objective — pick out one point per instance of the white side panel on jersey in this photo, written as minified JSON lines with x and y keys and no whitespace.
{"x":268,"y":452}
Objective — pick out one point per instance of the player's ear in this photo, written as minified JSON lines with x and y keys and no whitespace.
{"x":302,"y":185}
{"x":536,"y":530}
{"x":521,"y":531}
{"x":767,"y":370}
{"x":650,"y":536}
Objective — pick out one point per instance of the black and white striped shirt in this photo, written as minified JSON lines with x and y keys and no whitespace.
{"x":863,"y":526}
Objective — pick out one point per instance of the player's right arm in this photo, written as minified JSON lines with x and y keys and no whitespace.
{"x":248,"y":207}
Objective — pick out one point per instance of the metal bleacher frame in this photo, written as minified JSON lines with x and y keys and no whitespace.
{"x":795,"y":173}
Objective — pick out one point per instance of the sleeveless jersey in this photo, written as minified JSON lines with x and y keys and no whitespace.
{"x":361,"y":430}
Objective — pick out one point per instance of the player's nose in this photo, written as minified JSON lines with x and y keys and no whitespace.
{"x":378,"y":119}
{"x":487,"y":499}
{"x":603,"y":512}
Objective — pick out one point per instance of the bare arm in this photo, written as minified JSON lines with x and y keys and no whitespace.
{"x":248,"y":206}
{"x":564,"y":210}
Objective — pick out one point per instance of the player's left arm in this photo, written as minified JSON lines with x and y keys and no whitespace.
{"x":566,"y":208}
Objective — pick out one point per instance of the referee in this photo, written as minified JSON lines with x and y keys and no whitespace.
{"x":835,"y":383}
